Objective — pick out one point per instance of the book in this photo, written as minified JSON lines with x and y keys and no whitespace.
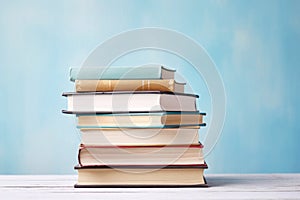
{"x":141,"y":120}
{"x":138,"y":128}
{"x":140,"y":155}
{"x":139,"y":137}
{"x":168,"y":85}
{"x":109,"y":102}
{"x":121,"y":72}
{"x":141,"y":176}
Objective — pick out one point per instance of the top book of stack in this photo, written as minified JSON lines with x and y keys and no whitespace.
{"x":121,"y":73}
{"x":107,"y":79}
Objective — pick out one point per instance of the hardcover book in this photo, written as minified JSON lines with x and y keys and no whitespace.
{"x":138,"y":128}
{"x":140,"y":155}
{"x":121,"y":72}
{"x":141,"y":176}
{"x":168,"y":85}
{"x":141,"y":120}
{"x":139,"y":137}
{"x":108,"y":102}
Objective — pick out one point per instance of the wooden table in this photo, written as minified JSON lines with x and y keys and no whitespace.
{"x":222,"y":186}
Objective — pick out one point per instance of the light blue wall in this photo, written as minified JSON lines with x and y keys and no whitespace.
{"x":255,"y":45}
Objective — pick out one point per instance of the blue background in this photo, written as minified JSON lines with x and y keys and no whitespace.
{"x":254,"y":44}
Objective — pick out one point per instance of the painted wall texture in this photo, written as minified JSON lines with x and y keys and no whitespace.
{"x":254,"y":44}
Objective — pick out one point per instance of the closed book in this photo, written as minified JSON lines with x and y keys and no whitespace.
{"x":121,"y":72}
{"x":141,"y":120}
{"x":139,"y":137}
{"x":140,"y":155}
{"x":109,"y":102}
{"x":141,"y":176}
{"x":168,"y":85}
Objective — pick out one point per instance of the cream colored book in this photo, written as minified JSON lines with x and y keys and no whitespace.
{"x":137,"y":101}
{"x":139,"y":137}
{"x":167,"y":85}
{"x":141,"y":120}
{"x":141,"y":176}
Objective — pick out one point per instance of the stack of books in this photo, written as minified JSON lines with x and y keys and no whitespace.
{"x":138,"y":128}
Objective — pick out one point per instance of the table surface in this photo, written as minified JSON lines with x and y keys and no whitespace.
{"x":221,"y":186}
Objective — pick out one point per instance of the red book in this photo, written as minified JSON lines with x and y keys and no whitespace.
{"x":179,"y":155}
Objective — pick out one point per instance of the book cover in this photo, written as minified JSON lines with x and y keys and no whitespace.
{"x":139,"y":137}
{"x":141,"y":155}
{"x":138,"y":101}
{"x":141,"y":120}
{"x":121,"y":72}
{"x":141,"y":176}
{"x":168,"y":85}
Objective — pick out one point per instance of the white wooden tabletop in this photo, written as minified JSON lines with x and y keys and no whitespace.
{"x":222,"y":186}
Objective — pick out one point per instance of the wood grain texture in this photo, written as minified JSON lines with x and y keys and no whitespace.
{"x":229,"y":186}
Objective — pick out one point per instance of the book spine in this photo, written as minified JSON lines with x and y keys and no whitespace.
{"x":182,"y":119}
{"x":124,"y":85}
{"x":79,"y":152}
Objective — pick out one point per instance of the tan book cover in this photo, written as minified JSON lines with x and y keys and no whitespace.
{"x":167,"y":85}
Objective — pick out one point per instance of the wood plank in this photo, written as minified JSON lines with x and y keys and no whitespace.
{"x":222,"y":186}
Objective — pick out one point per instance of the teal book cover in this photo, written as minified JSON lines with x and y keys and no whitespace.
{"x":116,"y":73}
